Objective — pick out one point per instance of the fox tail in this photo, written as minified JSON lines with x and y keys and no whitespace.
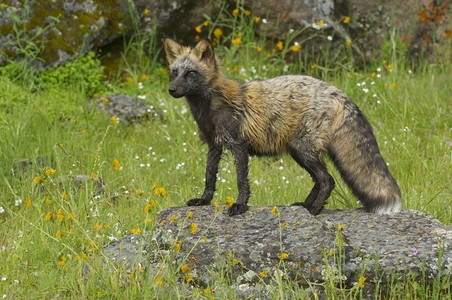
{"x":354,"y":151}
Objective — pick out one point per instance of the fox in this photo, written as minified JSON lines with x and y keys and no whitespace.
{"x":297,"y":115}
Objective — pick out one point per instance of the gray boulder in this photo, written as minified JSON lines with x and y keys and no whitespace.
{"x":126,"y":108}
{"x":336,"y":246}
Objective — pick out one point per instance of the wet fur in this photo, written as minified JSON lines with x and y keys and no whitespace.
{"x":294,"y":114}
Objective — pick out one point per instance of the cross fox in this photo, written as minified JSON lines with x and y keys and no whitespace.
{"x":293,"y":114}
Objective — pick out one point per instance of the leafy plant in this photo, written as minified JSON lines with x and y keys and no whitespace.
{"x":84,"y":72}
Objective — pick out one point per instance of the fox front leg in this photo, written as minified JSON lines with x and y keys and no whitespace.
{"x":213,"y":159}
{"x":240,"y":153}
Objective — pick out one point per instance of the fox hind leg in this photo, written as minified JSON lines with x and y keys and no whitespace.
{"x":323,"y":181}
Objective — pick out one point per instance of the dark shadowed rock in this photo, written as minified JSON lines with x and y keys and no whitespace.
{"x":65,"y":28}
{"x":291,"y":244}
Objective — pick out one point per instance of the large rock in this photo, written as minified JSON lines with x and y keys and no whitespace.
{"x":288,"y":242}
{"x":67,"y":27}
{"x":62,"y":28}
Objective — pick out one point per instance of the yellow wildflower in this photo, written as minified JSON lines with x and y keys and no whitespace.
{"x":340,"y":227}
{"x":50,"y":171}
{"x":235,"y":12}
{"x":37,"y":179}
{"x":205,"y":24}
{"x":257,"y":19}
{"x":138,"y":192}
{"x":62,"y":262}
{"x":236,"y":41}
{"x":158,"y":280}
{"x":190,"y":214}
{"x":275,"y":211}
{"x":96,"y":227}
{"x":59,"y":234}
{"x":259,"y":49}
{"x":392,"y":85}
{"x":104,"y":100}
{"x":146,"y":208}
{"x":198,"y":29}
{"x":320,"y":23}
{"x":185,"y":268}
{"x":280,"y":45}
{"x":28,"y":203}
{"x":229,"y":201}
{"x":136,"y":231}
{"x":64,"y":196}
{"x":143,"y":77}
{"x":284,"y":255}
{"x":373,"y":74}
{"x":346,"y":20}
{"x":296,"y":48}
{"x":70,"y":216}
{"x":147,"y":221}
{"x":218,"y":32}
{"x":361,"y":281}
{"x":331,"y":253}
{"x":48,"y":216}
{"x":263,"y":274}
{"x":234,"y":261}
{"x":248,"y":12}
{"x":162,"y":191}
{"x":60,"y":215}
{"x":146,"y":11}
{"x":114,"y":120}
{"x":173,"y":218}
{"x":349,"y":42}
{"x":194,"y":228}
{"x":116,"y":164}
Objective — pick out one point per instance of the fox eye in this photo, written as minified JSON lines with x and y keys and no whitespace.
{"x":174,"y":73}
{"x":192,"y":73}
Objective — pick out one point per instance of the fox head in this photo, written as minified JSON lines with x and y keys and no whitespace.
{"x":192,"y":69}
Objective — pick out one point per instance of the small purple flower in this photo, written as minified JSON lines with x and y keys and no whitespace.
{"x":415,"y":252}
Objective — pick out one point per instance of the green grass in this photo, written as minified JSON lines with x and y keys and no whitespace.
{"x":161,"y":164}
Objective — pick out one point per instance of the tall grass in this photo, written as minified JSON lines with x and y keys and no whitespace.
{"x":52,"y":228}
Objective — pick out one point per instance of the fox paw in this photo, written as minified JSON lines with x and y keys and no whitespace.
{"x":313,"y":210}
{"x":198,"y":202}
{"x":237,"y":209}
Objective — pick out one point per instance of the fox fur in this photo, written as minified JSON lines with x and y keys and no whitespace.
{"x":293,"y":114}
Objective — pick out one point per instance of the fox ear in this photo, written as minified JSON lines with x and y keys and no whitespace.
{"x":173,"y":49}
{"x":204,"y":51}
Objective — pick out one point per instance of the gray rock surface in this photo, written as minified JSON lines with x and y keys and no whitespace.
{"x":126,"y":108}
{"x":339,"y":245}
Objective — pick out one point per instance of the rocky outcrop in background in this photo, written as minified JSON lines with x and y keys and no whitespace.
{"x":64,"y":28}
{"x":351,"y":246}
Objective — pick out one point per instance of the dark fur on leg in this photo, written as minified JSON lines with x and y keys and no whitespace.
{"x":213,"y":159}
{"x":240,"y":153}
{"x":324,"y":182}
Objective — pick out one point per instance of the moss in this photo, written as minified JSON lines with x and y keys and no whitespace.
{"x":75,"y":29}
{"x":6,"y":29}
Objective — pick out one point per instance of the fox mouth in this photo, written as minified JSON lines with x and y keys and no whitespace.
{"x":175,"y":93}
